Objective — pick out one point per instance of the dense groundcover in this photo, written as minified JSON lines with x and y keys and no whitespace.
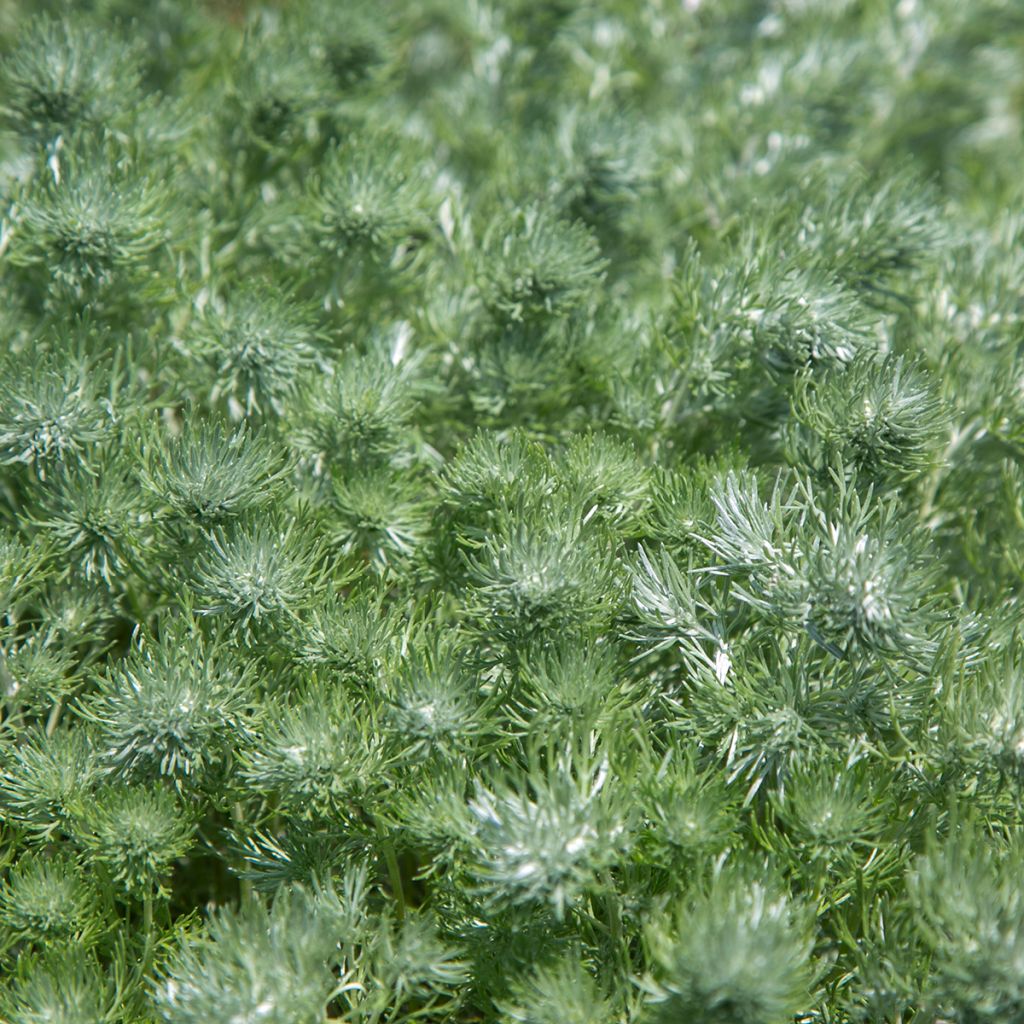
{"x":512,"y":511}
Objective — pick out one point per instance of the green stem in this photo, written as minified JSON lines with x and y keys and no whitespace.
{"x":148,"y":932}
{"x":612,"y":912}
{"x":613,"y":915}
{"x":394,"y":876}
{"x":245,"y":884}
{"x":54,"y":719}
{"x":9,"y":690}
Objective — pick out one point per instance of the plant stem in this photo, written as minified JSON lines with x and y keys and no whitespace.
{"x":245,"y":884}
{"x":613,"y":913}
{"x":148,"y":932}
{"x":394,"y":876}
{"x":54,"y":718}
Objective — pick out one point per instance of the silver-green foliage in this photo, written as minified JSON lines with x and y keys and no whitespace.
{"x":511,"y":511}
